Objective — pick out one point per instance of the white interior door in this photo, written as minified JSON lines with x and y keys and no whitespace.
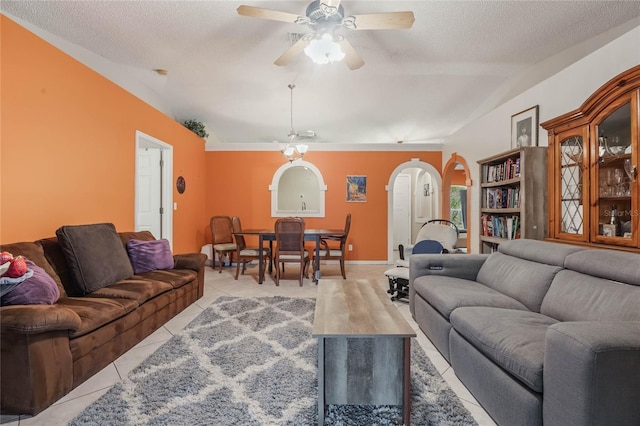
{"x":149,"y":191}
{"x":154,"y":187}
{"x":402,"y":210}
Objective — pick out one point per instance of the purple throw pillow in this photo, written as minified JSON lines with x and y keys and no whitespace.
{"x":39,"y":289}
{"x":149,"y":255}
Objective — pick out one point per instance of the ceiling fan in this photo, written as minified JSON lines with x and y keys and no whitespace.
{"x":324,"y":17}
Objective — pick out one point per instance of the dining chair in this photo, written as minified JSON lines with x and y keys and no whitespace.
{"x":246,"y":254}
{"x":290,"y":246}
{"x":333,"y":247}
{"x":222,"y":236}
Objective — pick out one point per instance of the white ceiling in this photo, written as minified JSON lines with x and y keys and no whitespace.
{"x":459,"y":60}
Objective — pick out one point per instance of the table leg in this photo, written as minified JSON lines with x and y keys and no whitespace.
{"x":320,"y":381}
{"x":271,"y":258}
{"x":406,"y":405}
{"x":260,"y":260}
{"x":316,"y":261}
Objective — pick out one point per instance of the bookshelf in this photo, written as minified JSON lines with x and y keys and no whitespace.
{"x":513,"y":203}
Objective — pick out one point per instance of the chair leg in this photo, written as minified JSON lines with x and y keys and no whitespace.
{"x":219,"y":261}
{"x":344,"y":274}
{"x":238,"y":270}
{"x":303,"y":265}
{"x":306,"y":267}
{"x":277,"y":273}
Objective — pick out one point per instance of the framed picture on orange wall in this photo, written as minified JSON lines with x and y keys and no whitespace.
{"x":356,"y":189}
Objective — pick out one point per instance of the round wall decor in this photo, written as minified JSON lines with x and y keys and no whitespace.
{"x":181,"y":184}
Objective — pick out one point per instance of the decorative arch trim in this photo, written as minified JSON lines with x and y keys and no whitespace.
{"x":275,"y":182}
{"x":447,"y":172}
{"x":414,"y":163}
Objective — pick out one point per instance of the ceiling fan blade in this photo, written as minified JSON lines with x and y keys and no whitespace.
{"x":382,"y":21}
{"x":274,"y":15}
{"x":351,"y":58}
{"x":307,"y":134}
{"x":290,"y":54}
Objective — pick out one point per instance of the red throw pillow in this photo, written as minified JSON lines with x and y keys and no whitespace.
{"x":150,"y":255}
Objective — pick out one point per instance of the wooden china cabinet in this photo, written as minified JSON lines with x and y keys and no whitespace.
{"x":593,"y":168}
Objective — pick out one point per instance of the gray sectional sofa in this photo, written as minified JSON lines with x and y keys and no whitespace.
{"x":539,"y":332}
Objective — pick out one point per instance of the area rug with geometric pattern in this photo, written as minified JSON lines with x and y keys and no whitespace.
{"x":252,"y":361}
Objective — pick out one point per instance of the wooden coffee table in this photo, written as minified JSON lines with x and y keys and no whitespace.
{"x":364,"y":347}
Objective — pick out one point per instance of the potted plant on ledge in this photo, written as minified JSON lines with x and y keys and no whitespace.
{"x":196,"y":127}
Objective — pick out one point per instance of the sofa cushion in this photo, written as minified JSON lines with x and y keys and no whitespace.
{"x":175,"y":277}
{"x":538,"y":251}
{"x":35,"y":252}
{"x":149,"y":255}
{"x":39,"y":289}
{"x":448,"y":293}
{"x":134,"y":288}
{"x":95,"y":312}
{"x":607,"y":264}
{"x":524,"y":280}
{"x":512,"y":339}
{"x":135,"y":235}
{"x":95,"y":255}
{"x":578,"y":297}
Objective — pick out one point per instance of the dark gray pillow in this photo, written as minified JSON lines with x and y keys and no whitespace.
{"x":95,"y":255}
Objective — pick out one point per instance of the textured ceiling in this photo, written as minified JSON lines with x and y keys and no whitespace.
{"x":416,"y":85}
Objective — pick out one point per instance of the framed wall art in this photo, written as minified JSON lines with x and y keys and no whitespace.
{"x":357,"y":189}
{"x":524,"y":128}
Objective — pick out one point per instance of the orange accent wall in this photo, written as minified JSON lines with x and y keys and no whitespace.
{"x":67,"y":156}
{"x":458,"y":177}
{"x":67,"y":146}
{"x":238,"y":184}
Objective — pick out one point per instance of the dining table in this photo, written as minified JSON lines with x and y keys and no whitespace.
{"x":310,"y":234}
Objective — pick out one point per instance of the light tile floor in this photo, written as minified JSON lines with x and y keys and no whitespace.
{"x":223,"y":284}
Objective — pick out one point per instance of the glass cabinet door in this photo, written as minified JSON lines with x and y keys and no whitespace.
{"x":615,"y":184}
{"x":572,"y":188}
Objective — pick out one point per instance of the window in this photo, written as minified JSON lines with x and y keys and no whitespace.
{"x":456,"y":202}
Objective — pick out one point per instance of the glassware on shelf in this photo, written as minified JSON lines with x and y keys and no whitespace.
{"x":628,"y":169}
{"x":612,"y":147}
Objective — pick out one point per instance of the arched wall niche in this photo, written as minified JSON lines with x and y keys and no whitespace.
{"x":447,"y":174}
{"x":298,"y":189}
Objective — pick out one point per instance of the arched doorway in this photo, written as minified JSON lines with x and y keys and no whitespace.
{"x":456,"y":173}
{"x":435,"y":191}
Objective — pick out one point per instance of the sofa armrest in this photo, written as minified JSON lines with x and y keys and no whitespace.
{"x":34,"y":319}
{"x":465,"y":266}
{"x":592,"y":373}
{"x":193,"y":261}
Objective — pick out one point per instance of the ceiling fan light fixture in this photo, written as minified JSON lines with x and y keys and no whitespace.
{"x":293,"y":151}
{"x":302,"y":148}
{"x":323,"y":49}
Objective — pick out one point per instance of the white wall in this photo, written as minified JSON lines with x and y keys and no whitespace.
{"x":558,"y":94}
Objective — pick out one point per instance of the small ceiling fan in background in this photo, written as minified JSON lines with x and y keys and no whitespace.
{"x":324,"y":17}
{"x":295,"y":147}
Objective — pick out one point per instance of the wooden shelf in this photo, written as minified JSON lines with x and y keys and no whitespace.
{"x":498,"y":211}
{"x":506,"y":182}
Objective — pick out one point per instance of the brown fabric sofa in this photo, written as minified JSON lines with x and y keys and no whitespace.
{"x":48,"y":350}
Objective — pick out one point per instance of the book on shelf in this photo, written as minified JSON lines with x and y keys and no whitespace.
{"x":508,"y":169}
{"x":502,"y":198}
{"x":507,"y":227}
